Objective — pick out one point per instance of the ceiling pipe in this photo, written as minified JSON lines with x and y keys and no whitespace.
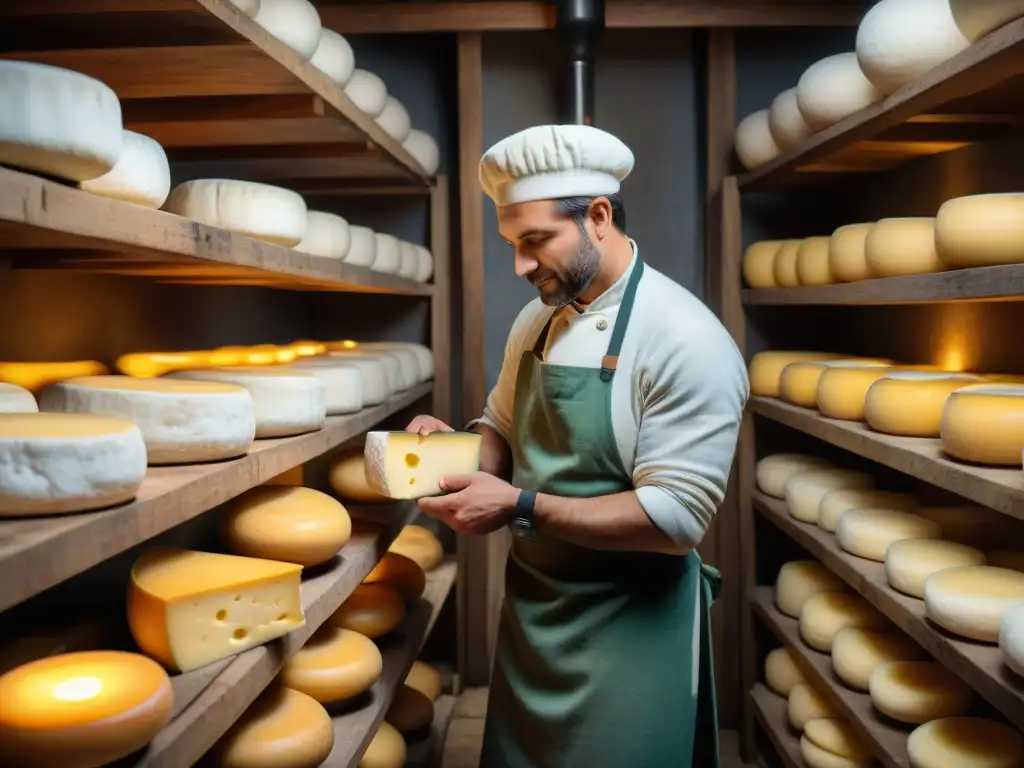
{"x":579,"y":24}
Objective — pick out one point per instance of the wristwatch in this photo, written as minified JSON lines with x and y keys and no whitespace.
{"x":522,"y":523}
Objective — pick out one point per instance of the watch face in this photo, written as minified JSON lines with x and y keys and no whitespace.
{"x":522,"y":528}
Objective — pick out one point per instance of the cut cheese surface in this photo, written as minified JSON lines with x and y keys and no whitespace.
{"x":910,"y":561}
{"x":805,"y":490}
{"x":781,"y":673}
{"x":814,"y":756}
{"x":869,"y":533}
{"x":334,"y":57}
{"x":812,"y":264}
{"x":410,"y":710}
{"x":1011,"y":638}
{"x":349,"y":386}
{"x":755,"y":144}
{"x":836,"y":736}
{"x":798,"y":580}
{"x":774,"y":471}
{"x":967,"y":741}
{"x":857,"y":652}
{"x":765,"y":369}
{"x":823,"y":615}
{"x":141,"y":176}
{"x":972,"y":601}
{"x":784,"y":267}
{"x":897,"y":247}
{"x":806,"y":704}
{"x":401,"y":573}
{"x":846,"y":256}
{"x":910,"y":403}
{"x":53,"y":463}
{"x":835,"y":503}
{"x":977,"y":18}
{"x":843,"y":388}
{"x":362,"y":248}
{"x":425,"y":679}
{"x":984,"y":424}
{"x":335,"y":664}
{"x":373,"y":610}
{"x":981,"y":230}
{"x":759,"y":263}
{"x":15,"y":399}
{"x":348,"y":479}
{"x":386,"y":749}
{"x":419,"y":545}
{"x":799,"y":381}
{"x":327,"y":235}
{"x":918,"y":691}
{"x":832,"y":89}
{"x":405,"y":465}
{"x":295,"y":23}
{"x":367,"y":92}
{"x":424,"y":151}
{"x":787,"y":125}
{"x":81,"y":710}
{"x":388,"y":254}
{"x":187,"y":609}
{"x":394,"y":119}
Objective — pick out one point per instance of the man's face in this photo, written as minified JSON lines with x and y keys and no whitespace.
{"x":551,"y":251}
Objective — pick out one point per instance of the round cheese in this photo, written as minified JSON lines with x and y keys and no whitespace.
{"x":424,"y":150}
{"x":419,"y":545}
{"x":981,"y":230}
{"x":984,"y":424}
{"x":343,"y":384}
{"x":812,"y":263}
{"x":772,"y":472}
{"x":869,"y":533}
{"x":367,"y":91}
{"x":410,"y":263}
{"x":1011,"y":638}
{"x":967,"y":741}
{"x":182,"y":422}
{"x":910,"y":403}
{"x":327,"y":235}
{"x":388,"y":258}
{"x":141,"y":176}
{"x":832,"y":89}
{"x":425,"y":270}
{"x":900,"y":40}
{"x":372,"y":610}
{"x":386,"y":749}
{"x":283,"y":728}
{"x":400,"y":573}
{"x":843,"y":388}
{"x":394,"y":119}
{"x":823,"y":615}
{"x":410,"y":710}
{"x":806,"y":704}
{"x":784,"y":267}
{"x":835,"y":503}
{"x":787,"y":125}
{"x":781,"y":673}
{"x":857,"y":652}
{"x":274,"y":214}
{"x":362,"y":249}
{"x":334,"y":665}
{"x":755,"y":144}
{"x":295,"y":23}
{"x":972,"y":601}
{"x":918,"y":691}
{"x":759,"y":263}
{"x":835,"y":736}
{"x":765,"y":369}
{"x":374,"y":375}
{"x":348,"y":479}
{"x":813,"y":756}
{"x":910,"y":561}
{"x":897,"y":247}
{"x":805,"y":490}
{"x":334,"y":57}
{"x":81,"y":710}
{"x":799,"y":580}
{"x":15,"y":399}
{"x":402,"y":368}
{"x":846,"y":256}
{"x":423,"y":356}
{"x":977,"y":18}
{"x":57,"y":122}
{"x":799,"y":381}
{"x":425,"y":679}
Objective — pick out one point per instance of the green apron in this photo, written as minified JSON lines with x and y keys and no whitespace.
{"x":594,"y":664}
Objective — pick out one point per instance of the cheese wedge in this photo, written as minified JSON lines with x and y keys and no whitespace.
{"x":405,"y":465}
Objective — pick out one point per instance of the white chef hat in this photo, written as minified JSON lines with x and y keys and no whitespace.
{"x":552,"y":161}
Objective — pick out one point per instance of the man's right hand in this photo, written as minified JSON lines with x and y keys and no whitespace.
{"x":424,"y":425}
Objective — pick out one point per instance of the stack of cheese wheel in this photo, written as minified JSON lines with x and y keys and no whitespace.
{"x":334,"y":665}
{"x":327,"y":235}
{"x":984,"y":424}
{"x":37,"y":376}
{"x":832,"y":89}
{"x":965,"y":741}
{"x":373,"y":610}
{"x":386,"y":749}
{"x":830,"y":742}
{"x":812,"y":264}
{"x":823,"y":615}
{"x":419,"y":545}
{"x":773,"y":472}
{"x":424,"y":150}
{"x":972,"y":601}
{"x":869,"y":533}
{"x":141,"y":176}
{"x":781,"y":673}
{"x":759,"y":263}
{"x":15,"y":399}
{"x":910,"y":403}
{"x":410,"y":710}
{"x":977,"y":18}
{"x":980,"y":230}
{"x":918,"y":691}
{"x":347,"y":477}
{"x":350,"y":385}
{"x":295,"y":23}
{"x":755,"y":144}
{"x":401,"y":573}
{"x":425,"y":679}
{"x":846,"y":255}
{"x":899,"y":247}
{"x":765,"y":369}
{"x":858,"y":652}
{"x":1011,"y":638}
{"x":334,"y":57}
{"x":805,"y":490}
{"x":362,"y":247}
{"x":799,"y":580}
{"x":835,"y":503}
{"x":909,"y":562}
{"x":799,"y":381}
{"x":806,"y":704}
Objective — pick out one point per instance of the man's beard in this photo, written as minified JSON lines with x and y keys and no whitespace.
{"x":578,"y":275}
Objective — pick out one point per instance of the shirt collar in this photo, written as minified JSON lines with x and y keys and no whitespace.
{"x":613,"y":296}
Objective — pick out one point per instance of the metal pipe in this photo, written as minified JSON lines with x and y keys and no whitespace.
{"x":579,"y":24}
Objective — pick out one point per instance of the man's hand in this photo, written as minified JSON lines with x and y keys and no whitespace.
{"x":479,"y":503}
{"x":424,"y":425}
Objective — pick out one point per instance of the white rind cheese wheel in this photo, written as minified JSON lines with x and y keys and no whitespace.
{"x":423,"y":355}
{"x":388,"y":254}
{"x":401,"y":372}
{"x":785,"y":121}
{"x":285,"y":401}
{"x":295,"y":23}
{"x":264,"y":212}
{"x":799,"y":381}
{"x":784,"y":267}
{"x":410,"y":264}
{"x":977,"y":18}
{"x":910,"y":561}
{"x":812,"y":264}
{"x":869,"y":533}
{"x":898,"y":41}
{"x":910,"y":403}
{"x":15,"y":399}
{"x":806,"y":704}
{"x":774,"y":471}
{"x":182,"y":422}
{"x":799,"y":580}
{"x":141,"y":176}
{"x":972,"y":601}
{"x":362,"y":248}
{"x":410,"y":710}
{"x":835,"y":503}
{"x":833,"y":89}
{"x":981,"y":230}
{"x":57,"y":463}
{"x":334,"y":665}
{"x":843,"y":388}
{"x":781,"y":673}
{"x":406,"y":465}
{"x":386,"y":749}
{"x":372,"y":610}
{"x":57,"y":122}
{"x":367,"y":91}
{"x":334,"y":57}
{"x":374,"y":387}
{"x":1011,"y":638}
{"x":394,"y":119}
{"x":765,"y":369}
{"x":857,"y":652}
{"x":918,"y":691}
{"x":804,"y":491}
{"x":966,"y":741}
{"x":898,"y":247}
{"x":846,"y":254}
{"x":826,"y":613}
{"x":984,"y":424}
{"x":348,"y":479}
{"x":424,"y":150}
{"x":425,"y":270}
{"x":755,"y":144}
{"x":327,"y":235}
{"x":759,"y":263}
{"x":343,"y":383}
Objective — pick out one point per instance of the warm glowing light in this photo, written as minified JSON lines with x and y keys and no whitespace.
{"x":227,"y":357}
{"x":308,"y":348}
{"x":36,"y":376}
{"x":957,"y":339}
{"x":285,"y":355}
{"x":333,"y":346}
{"x":149,"y":365}
{"x":78,"y":689}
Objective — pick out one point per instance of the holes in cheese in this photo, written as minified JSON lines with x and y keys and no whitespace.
{"x":835,"y":735}
{"x":54,"y":463}
{"x":755,"y":144}
{"x":814,"y":756}
{"x":141,"y":176}
{"x":981,"y":230}
{"x":826,"y":613}
{"x":759,"y":263}
{"x":910,"y":403}
{"x":799,"y":381}
{"x":373,"y":610}
{"x":419,"y":545}
{"x":386,"y":749}
{"x":805,"y":490}
{"x":15,"y":399}
{"x":35,"y":376}
{"x":910,"y":561}
{"x":846,"y":255}
{"x":967,"y":741}
{"x":781,"y":673}
{"x":896,"y":247}
{"x":188,"y":609}
{"x":295,"y":23}
{"x":787,"y":125}
{"x":857,"y":652}
{"x":388,"y":254}
{"x":784,"y":268}
{"x":367,"y":91}
{"x":843,"y":388}
{"x":283,"y":728}
{"x":326,"y":235}
{"x":977,"y":18}
{"x":394,"y":119}
{"x":806,"y":704}
{"x":1011,"y":638}
{"x":774,"y":471}
{"x":984,"y":424}
{"x":401,"y":573}
{"x":765,"y":369}
{"x":425,"y":151}
{"x":972,"y":601}
{"x":834,"y":88}
{"x":334,"y":665}
{"x":798,"y":580}
{"x":348,"y":478}
{"x":81,"y":710}
{"x":812,"y":264}
{"x":349,"y":386}
{"x":425,"y":679}
{"x":410,"y":710}
{"x":835,"y":503}
{"x":334,"y":57}
{"x":868,"y":533}
{"x":405,"y":465}
{"x":918,"y":691}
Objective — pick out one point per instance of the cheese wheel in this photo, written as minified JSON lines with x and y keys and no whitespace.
{"x":857,"y":652}
{"x":15,"y":399}
{"x":835,"y":503}
{"x":343,"y":384}
{"x":898,"y":41}
{"x":425,"y":679}
{"x":843,"y":388}
{"x":984,"y":424}
{"x":813,"y":756}
{"x":784,"y":266}
{"x":348,"y":479}
{"x":386,"y":749}
{"x":897,"y":247}
{"x":967,"y":741}
{"x":972,"y":601}
{"x":362,"y":249}
{"x":765,"y":369}
{"x":388,"y":256}
{"x":264,"y":212}
{"x":410,"y":263}
{"x":401,"y":573}
{"x":141,"y":175}
{"x":81,"y":710}
{"x":755,"y":144}
{"x":805,"y":490}
{"x":373,"y":610}
{"x":806,"y":704}
{"x":399,"y":374}
{"x":410,"y":361}
{"x":799,"y":580}
{"x":367,"y":91}
{"x":182,"y":422}
{"x":424,"y":150}
{"x":823,"y":615}
{"x":426,"y":265}
{"x":410,"y":710}
{"x":785,"y":121}
{"x":283,"y":728}
{"x":977,"y":18}
{"x":910,"y":561}
{"x":327,"y":235}
{"x":918,"y":691}
{"x":910,"y":403}
{"x":832,"y":89}
{"x":57,"y":122}
{"x":835,"y":735}
{"x":781,"y":673}
{"x":419,"y":545}
{"x":846,"y":256}
{"x":812,"y":264}
{"x":1011,"y":638}
{"x":772,"y":472}
{"x":981,"y":230}
{"x":394,"y":119}
{"x":869,"y":533}
{"x":334,"y":57}
{"x":799,"y":381}
{"x":423,"y":355}
{"x":759,"y":263}
{"x":295,"y":23}
{"x":334,"y":665}
{"x":374,"y":380}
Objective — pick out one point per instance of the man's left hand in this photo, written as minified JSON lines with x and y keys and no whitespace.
{"x":479,"y":503}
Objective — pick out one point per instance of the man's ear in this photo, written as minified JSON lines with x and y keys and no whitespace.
{"x":601,"y":217}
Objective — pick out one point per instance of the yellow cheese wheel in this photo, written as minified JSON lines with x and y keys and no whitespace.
{"x":773,"y":472}
{"x":835,"y":735}
{"x":972,"y":601}
{"x":812,"y":264}
{"x":81,"y":710}
{"x":984,"y":424}
{"x":784,"y":266}
{"x":401,"y":573}
{"x":289,"y":523}
{"x":857,"y":652}
{"x":826,"y":613}
{"x":419,"y":545}
{"x":410,"y":710}
{"x":804,"y":491}
{"x":869,"y":533}
{"x":835,"y":503}
{"x":806,"y":704}
{"x":981,"y":230}
{"x":386,"y":749}
{"x":781,"y":673}
{"x":798,"y":580}
{"x":425,"y":679}
{"x":759,"y":263}
{"x":843,"y":388}
{"x":765,"y":369}
{"x":348,"y":479}
{"x":967,"y":741}
{"x":910,"y":403}
{"x":814,"y":756}
{"x":918,"y":691}
{"x":799,"y":381}
{"x":372,"y":610}
{"x":910,"y":561}
{"x":335,"y":664}
{"x":846,"y":255}
{"x":283,"y":728}
{"x":896,"y":247}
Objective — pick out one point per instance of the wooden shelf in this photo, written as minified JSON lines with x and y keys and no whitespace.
{"x":38,"y":553}
{"x":771,"y":711}
{"x":980,"y":666}
{"x":973,"y":96}
{"x":427,"y":751}
{"x":886,"y":739}
{"x":353,"y":730}
{"x":1000,"y":489}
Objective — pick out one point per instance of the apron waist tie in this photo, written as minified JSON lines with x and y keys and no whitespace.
{"x":705,"y":743}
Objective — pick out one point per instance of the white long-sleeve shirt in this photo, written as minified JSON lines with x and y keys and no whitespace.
{"x":677,"y":395}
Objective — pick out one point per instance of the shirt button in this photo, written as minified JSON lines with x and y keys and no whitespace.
{"x":602,"y":324}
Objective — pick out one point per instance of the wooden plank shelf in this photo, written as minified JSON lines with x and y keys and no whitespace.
{"x":886,"y":739}
{"x":426,"y":752}
{"x":979,"y":665}
{"x":37,"y":553}
{"x":771,"y":711}
{"x":1000,"y":489}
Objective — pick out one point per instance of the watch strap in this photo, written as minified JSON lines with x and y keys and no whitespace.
{"x":524,"y":507}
